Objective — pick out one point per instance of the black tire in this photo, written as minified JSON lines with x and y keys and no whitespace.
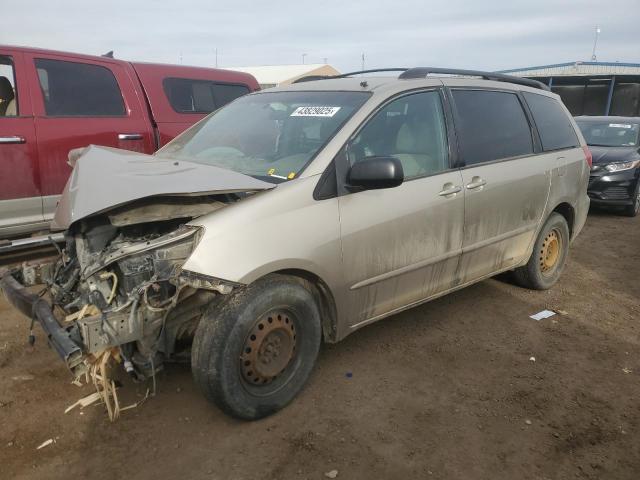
{"x":542,"y":272}
{"x":633,"y":209}
{"x":281,"y":310}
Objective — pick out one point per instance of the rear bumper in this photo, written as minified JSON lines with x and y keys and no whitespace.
{"x":38,"y":309}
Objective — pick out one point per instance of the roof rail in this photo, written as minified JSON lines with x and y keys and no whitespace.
{"x":311,"y":78}
{"x":374,"y":70}
{"x":421,"y":72}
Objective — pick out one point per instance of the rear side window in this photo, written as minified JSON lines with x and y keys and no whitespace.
{"x":553,"y":125}
{"x":491,"y":126}
{"x":73,"y":89}
{"x":200,"y":96}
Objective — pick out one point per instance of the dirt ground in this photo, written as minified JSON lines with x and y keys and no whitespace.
{"x":443,"y":391}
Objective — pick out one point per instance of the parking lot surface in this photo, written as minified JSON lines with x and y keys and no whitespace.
{"x":464,"y":387}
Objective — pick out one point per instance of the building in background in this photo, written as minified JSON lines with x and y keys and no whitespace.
{"x":591,"y":88}
{"x":273,"y":75}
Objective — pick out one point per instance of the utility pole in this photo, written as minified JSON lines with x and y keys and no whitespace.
{"x":216,"y":57}
{"x":362,"y":62}
{"x":303,"y":57}
{"x":595,"y":44}
{"x":324,"y":59}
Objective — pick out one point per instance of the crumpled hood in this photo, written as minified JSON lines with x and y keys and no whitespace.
{"x":606,"y":155}
{"x":104,"y":178}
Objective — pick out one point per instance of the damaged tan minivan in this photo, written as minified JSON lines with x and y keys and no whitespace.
{"x":300,"y":214}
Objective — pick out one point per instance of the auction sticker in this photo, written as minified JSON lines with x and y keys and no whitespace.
{"x":619,"y":125}
{"x":318,"y":111}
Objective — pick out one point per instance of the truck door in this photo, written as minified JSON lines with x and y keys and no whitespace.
{"x":77,"y":102}
{"x":20,"y":196}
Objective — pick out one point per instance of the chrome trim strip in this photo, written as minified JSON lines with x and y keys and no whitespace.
{"x":499,"y":238}
{"x":13,"y":139}
{"x":441,"y":258}
{"x":129,"y":136}
{"x":405,"y":269}
{"x":355,"y":326}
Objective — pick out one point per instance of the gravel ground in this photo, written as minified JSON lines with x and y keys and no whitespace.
{"x":443,"y":391}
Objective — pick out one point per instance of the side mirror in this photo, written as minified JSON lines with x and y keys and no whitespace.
{"x":376,"y":172}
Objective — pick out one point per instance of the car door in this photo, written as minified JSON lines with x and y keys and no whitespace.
{"x":20,"y":196}
{"x":78,"y":102}
{"x":506,"y":180}
{"x":401,"y":245}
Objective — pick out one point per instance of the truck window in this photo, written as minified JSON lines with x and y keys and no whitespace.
{"x":200,"y":96}
{"x":556,"y":131}
{"x":8,"y":94}
{"x":71,"y":89}
{"x":491,"y":126}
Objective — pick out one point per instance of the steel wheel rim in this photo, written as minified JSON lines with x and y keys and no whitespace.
{"x":550,"y":252}
{"x":269,"y":348}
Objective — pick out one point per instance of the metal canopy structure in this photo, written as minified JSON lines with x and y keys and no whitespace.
{"x":591,"y":88}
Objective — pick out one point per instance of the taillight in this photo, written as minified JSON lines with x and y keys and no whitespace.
{"x":589,"y":157}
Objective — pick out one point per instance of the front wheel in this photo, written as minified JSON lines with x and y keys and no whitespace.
{"x":253,"y":353}
{"x":549,"y":254}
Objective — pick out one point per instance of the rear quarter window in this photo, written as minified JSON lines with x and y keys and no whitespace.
{"x":553,"y":124}
{"x":73,"y":89}
{"x":491,"y":126}
{"x":200,"y":96}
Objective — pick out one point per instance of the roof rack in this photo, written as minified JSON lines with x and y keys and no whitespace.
{"x":421,"y":72}
{"x":375,"y":70}
{"x":311,"y":78}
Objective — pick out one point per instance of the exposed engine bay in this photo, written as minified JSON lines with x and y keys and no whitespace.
{"x":118,"y":287}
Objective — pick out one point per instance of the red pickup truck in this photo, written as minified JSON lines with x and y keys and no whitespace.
{"x":52,"y":102}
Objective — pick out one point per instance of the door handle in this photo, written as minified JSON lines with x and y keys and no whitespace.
{"x":129,"y":136}
{"x":449,"y":189}
{"x":14,"y":139}
{"x":476,"y":182}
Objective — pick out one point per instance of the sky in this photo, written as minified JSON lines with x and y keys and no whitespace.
{"x":477,"y":34}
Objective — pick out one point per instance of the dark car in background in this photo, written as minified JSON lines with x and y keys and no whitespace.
{"x":53,"y":102}
{"x":615,"y":175}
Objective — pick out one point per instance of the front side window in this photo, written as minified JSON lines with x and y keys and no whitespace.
{"x":410,"y":128}
{"x":491,"y":126}
{"x":8,"y":95}
{"x":72,"y":89}
{"x":552,"y":122}
{"x":200,"y":96}
{"x":272,"y":136}
{"x":610,"y":134}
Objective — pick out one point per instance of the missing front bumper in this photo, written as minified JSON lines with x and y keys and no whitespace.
{"x":38,"y":309}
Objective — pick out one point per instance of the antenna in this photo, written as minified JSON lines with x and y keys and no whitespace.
{"x":362,"y":69}
{"x":595,"y":44}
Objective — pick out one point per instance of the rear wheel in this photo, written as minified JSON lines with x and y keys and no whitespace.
{"x":549,"y":255}
{"x":633,"y":209}
{"x":254,"y":353}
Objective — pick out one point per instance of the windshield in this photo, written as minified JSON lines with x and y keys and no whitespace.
{"x":272,"y":136}
{"x":612,"y":134}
